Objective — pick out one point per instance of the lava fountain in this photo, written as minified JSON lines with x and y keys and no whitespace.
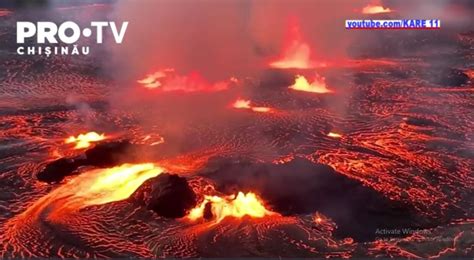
{"x":317,"y":86}
{"x":296,"y":52}
{"x":231,"y":206}
{"x":85,"y":140}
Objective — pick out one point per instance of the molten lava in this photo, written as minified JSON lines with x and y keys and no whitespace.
{"x":101,"y":186}
{"x":317,"y":86}
{"x":296,"y":52}
{"x":241,"y":103}
{"x":261,"y":109}
{"x":334,"y":135}
{"x":113,"y":184}
{"x":85,"y":140}
{"x":246,"y":104}
{"x":317,"y":218}
{"x":153,"y":80}
{"x":95,"y":187}
{"x":231,"y":206}
{"x":169,"y":80}
{"x":375,"y":9}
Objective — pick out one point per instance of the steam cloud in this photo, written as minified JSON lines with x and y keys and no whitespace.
{"x":223,"y":39}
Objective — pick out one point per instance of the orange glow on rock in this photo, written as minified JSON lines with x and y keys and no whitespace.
{"x":84,"y":140}
{"x":317,"y":86}
{"x":375,"y":9}
{"x":231,"y":206}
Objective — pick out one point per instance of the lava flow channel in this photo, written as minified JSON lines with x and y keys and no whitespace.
{"x":95,"y":187}
{"x":43,"y":217}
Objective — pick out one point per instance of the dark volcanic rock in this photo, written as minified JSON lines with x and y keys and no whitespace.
{"x":168,"y":195}
{"x":274,"y":78}
{"x":102,"y":155}
{"x":207,"y":214}
{"x":57,"y":170}
{"x":363,"y":78}
{"x":112,"y":153}
{"x":416,"y":121}
{"x":447,"y":77}
{"x":303,"y":187}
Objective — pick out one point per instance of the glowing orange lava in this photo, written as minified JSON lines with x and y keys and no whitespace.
{"x":334,"y":135}
{"x":153,"y":80}
{"x":317,"y":218}
{"x":375,"y":9}
{"x":113,"y":184}
{"x":261,"y":109}
{"x":169,"y":80}
{"x":85,"y":140}
{"x":95,"y":187}
{"x":241,"y":103}
{"x":246,"y":104}
{"x":102,"y":186}
{"x":296,"y":52}
{"x":317,"y":86}
{"x":232,"y":206}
